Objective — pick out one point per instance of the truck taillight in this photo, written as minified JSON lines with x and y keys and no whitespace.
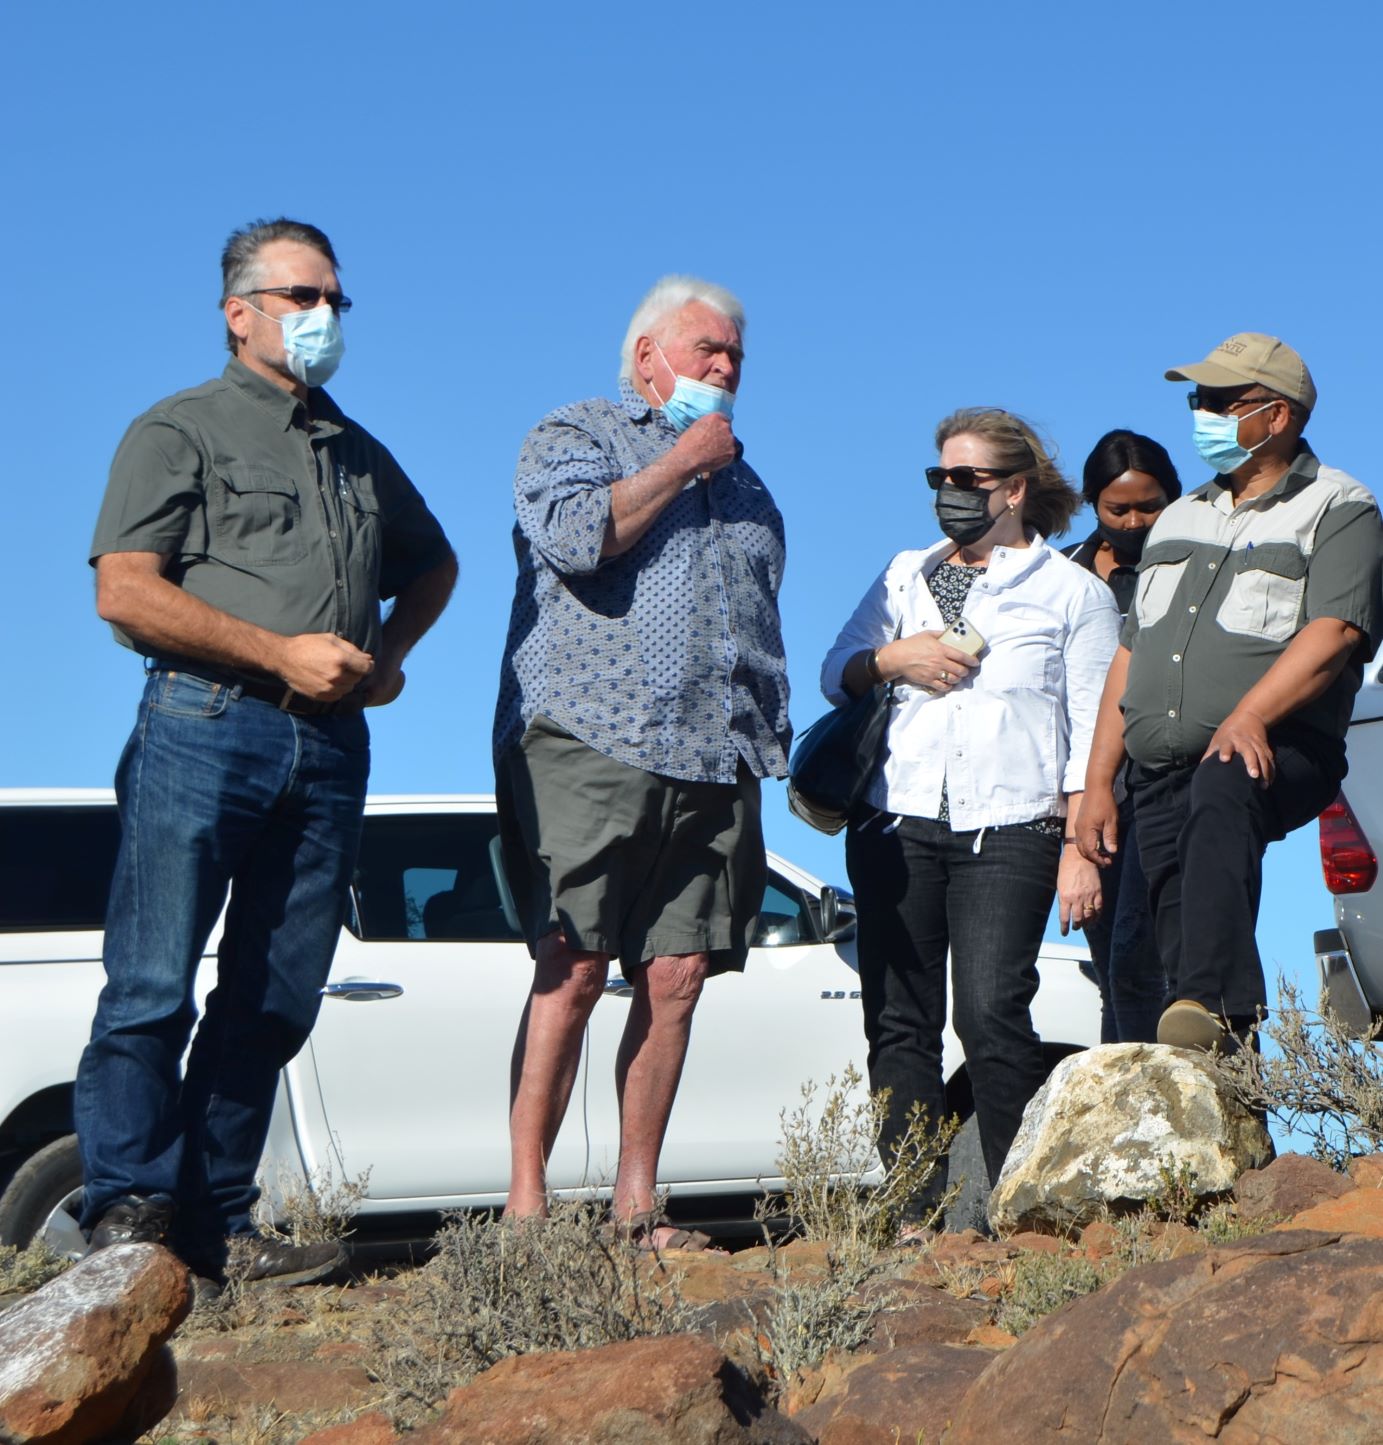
{"x":1347,"y":859}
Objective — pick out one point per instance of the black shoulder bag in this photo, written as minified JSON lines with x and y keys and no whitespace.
{"x":833,"y":760}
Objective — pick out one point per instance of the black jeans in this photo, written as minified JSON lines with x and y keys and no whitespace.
{"x":922,"y":890}
{"x":1202,"y":833}
{"x":1123,"y":948}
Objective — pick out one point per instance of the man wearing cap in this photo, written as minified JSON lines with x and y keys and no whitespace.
{"x":1257,"y":605}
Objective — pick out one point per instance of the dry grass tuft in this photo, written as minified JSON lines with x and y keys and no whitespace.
{"x":827,"y":1151}
{"x":501,"y":1288}
{"x":24,"y":1270}
{"x":1321,"y":1082}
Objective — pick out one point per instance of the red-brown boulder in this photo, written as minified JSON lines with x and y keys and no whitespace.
{"x":676,"y":1389}
{"x":1275,"y":1338}
{"x":83,"y":1358}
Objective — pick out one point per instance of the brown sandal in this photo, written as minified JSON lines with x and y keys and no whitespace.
{"x":640,"y":1230}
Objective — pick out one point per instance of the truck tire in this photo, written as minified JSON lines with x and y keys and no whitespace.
{"x":969,"y":1211}
{"x":36,"y":1203}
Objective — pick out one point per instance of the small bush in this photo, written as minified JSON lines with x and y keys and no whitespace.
{"x":24,"y":1270}
{"x":1176,"y":1199}
{"x":514,"y":1287}
{"x":1322,"y":1082}
{"x":317,"y":1212}
{"x":1223,"y":1224}
{"x":1041,"y":1283}
{"x":825,"y":1153}
{"x":811,"y":1317}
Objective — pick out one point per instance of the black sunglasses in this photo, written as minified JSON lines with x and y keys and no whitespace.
{"x":967,"y":478}
{"x":306,"y":296}
{"x":1199,"y":400}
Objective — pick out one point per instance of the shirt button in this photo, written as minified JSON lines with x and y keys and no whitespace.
{"x":1211,"y":565}
{"x":332,"y":535}
{"x":1176,"y":657}
{"x":1191,"y":608}
{"x":1171,"y":712}
{"x":339,"y":582}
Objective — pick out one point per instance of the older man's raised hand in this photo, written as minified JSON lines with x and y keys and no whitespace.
{"x":707,"y":445}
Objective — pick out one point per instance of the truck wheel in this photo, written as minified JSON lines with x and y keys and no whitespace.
{"x":43,"y":1199}
{"x":967,"y":1169}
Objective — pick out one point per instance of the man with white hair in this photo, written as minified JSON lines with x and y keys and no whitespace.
{"x":643,"y":694}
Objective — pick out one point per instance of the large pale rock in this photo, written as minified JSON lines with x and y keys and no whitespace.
{"x":1279,"y":1338}
{"x":1106,"y":1126}
{"x":675,"y":1389}
{"x":83,"y":1358}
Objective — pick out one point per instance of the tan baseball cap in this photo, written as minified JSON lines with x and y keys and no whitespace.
{"x":1248,"y":357}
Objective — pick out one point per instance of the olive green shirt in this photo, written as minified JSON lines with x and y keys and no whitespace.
{"x":296,"y":523}
{"x":1222,"y":590}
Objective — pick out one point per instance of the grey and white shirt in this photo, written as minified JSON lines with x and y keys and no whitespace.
{"x":668,"y":657}
{"x":1222,"y":590}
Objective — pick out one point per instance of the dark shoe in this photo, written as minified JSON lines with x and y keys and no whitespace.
{"x":133,"y":1220}
{"x":278,"y":1262}
{"x":206,"y":1292}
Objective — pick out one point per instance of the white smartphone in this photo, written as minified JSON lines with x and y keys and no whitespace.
{"x":964,"y":636}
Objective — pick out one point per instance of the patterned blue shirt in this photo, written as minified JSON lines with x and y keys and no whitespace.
{"x":668,"y":657}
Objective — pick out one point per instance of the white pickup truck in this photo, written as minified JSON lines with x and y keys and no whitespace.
{"x":1350,"y":955}
{"x":406,"y":1073}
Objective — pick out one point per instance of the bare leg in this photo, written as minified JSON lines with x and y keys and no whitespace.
{"x":547,"y":1053}
{"x":648,"y":1068}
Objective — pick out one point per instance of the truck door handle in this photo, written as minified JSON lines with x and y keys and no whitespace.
{"x":361,"y":990}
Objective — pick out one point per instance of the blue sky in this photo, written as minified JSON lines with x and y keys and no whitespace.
{"x":921,"y":206}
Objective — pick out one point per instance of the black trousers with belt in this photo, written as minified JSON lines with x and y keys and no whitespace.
{"x":1202,"y":832}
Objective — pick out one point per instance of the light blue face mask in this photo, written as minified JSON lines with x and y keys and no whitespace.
{"x":1217,"y":439}
{"x":312,"y":343}
{"x":691,"y":400}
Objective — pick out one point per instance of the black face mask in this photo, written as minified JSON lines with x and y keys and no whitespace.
{"x":1126,"y":541}
{"x":964,"y":516}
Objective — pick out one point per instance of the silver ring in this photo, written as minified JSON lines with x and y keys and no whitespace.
{"x":943,"y":676}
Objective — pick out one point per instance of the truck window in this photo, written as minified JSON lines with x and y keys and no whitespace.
{"x":56,"y":866}
{"x":429,"y":878}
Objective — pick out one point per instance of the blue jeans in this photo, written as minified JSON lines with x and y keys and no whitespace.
{"x":217,"y":793}
{"x":922,"y":890}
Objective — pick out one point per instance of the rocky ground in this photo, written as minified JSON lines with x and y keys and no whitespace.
{"x":1264,"y":1322}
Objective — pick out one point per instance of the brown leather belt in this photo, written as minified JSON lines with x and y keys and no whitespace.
{"x":286,"y":700}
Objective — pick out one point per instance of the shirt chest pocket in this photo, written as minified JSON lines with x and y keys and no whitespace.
{"x":361,"y":513}
{"x":1265,"y":595}
{"x":257,"y":517}
{"x":1158,"y":579}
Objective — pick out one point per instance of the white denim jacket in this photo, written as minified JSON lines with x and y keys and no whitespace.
{"x":1013,"y":739}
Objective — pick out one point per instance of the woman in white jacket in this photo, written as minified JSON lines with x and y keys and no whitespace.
{"x":963,"y":840}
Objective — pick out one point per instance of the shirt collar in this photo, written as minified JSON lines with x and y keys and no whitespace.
{"x":1302,"y":472}
{"x":1006,"y":563}
{"x":636,"y":405}
{"x":282,"y":405}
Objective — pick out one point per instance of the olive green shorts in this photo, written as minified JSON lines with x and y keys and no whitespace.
{"x":624,"y":862}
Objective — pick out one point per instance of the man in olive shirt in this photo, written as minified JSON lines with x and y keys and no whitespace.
{"x":1257,"y":605}
{"x":248,"y":535}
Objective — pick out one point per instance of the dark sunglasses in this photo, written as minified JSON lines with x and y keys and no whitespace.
{"x":1199,"y":400}
{"x":306,"y":296}
{"x":966,"y":478}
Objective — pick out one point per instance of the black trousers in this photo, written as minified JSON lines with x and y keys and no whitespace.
{"x":1202,"y":833}
{"x":922,"y":892}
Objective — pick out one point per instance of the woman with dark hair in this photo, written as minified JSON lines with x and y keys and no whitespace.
{"x":962,"y":839}
{"x":1128,"y":480}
